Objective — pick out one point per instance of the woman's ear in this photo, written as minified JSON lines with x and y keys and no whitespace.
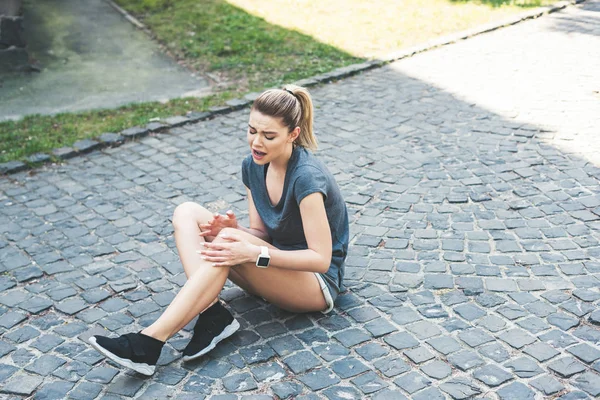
{"x":294,"y":134}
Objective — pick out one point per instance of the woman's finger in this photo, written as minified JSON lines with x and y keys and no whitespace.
{"x":218,"y":246}
{"x":222,"y":260}
{"x":214,"y":253}
{"x":205,"y":233}
{"x":223,"y":264}
{"x":231,"y":237}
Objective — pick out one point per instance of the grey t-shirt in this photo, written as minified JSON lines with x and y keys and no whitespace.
{"x":305,"y":175}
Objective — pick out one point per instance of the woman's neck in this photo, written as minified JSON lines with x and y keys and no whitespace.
{"x":280,"y":164}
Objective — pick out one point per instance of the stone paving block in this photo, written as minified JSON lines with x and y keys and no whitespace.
{"x":495,"y":351}
{"x":22,"y":384}
{"x":492,"y":375}
{"x":302,"y":361}
{"x":469,"y":311}
{"x":589,"y":382}
{"x":101,"y":374}
{"x":331,"y":351}
{"x":369,"y":382}
{"x":54,"y":390}
{"x":475,"y":337}
{"x":391,"y":366}
{"x":348,"y":367}
{"x":7,"y":371}
{"x":257,"y":354}
{"x":265,"y":372}
{"x":515,"y":390}
{"x":424,"y":329}
{"x":444,"y":344}
{"x":341,"y":392}
{"x":541,"y":351}
{"x":200,"y":385}
{"x":512,"y":311}
{"x":563,"y":321}
{"x":517,"y":338}
{"x":588,"y":334}
{"x":585,"y":352}
{"x":404,"y":315}
{"x":319,"y":379}
{"x":566,"y":366}
{"x":547,"y":384}
{"x":454,"y":324}
{"x":465,"y":360}
{"x":558,"y":338}
{"x":389,"y":394}
{"x":412,"y":382}
{"x":460,"y":388}
{"x":492,"y":323}
{"x":437,"y":369}
{"x":352,"y":337}
{"x":284,"y":390}
{"x":524,"y":367}
{"x":22,"y":334}
{"x":5,"y":348}
{"x":85,"y":390}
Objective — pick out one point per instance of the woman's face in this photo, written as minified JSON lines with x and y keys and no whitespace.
{"x":268,"y":138}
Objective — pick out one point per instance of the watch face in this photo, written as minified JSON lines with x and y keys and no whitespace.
{"x":263,"y":261}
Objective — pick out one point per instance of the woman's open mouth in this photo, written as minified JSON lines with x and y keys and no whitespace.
{"x":258,"y":154}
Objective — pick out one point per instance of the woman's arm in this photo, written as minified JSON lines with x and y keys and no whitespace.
{"x":317,"y":257}
{"x":257,"y":227}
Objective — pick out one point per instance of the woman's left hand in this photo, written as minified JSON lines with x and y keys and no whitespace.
{"x":233,"y":251}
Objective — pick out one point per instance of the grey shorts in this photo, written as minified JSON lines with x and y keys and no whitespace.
{"x":326,"y":293}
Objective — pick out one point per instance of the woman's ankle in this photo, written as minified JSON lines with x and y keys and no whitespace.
{"x":155,"y":334}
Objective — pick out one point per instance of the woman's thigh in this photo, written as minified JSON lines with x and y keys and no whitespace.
{"x":296,"y":291}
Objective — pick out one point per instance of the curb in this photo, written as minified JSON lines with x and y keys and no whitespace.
{"x":111,"y":139}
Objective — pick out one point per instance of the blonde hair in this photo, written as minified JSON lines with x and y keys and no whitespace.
{"x":293,"y":105}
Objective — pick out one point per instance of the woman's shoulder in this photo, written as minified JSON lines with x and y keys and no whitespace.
{"x":309,"y":163}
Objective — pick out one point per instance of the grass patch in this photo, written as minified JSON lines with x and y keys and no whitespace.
{"x":245,"y":51}
{"x":248,"y":45}
{"x":39,"y":133}
{"x":378,"y":27}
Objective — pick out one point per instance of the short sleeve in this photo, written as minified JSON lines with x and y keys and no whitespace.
{"x":246,"y":171}
{"x":309,"y":180}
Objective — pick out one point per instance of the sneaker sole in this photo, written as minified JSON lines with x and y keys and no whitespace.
{"x":228,"y":331}
{"x":142,"y":368}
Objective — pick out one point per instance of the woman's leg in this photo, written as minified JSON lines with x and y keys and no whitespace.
{"x":297,"y":291}
{"x":192,"y":298}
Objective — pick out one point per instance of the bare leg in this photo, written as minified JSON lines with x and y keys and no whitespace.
{"x":297,"y":291}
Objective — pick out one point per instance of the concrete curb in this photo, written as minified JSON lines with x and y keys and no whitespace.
{"x":116,"y":139}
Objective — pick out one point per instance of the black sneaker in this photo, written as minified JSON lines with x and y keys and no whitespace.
{"x":133,"y":350}
{"x":212,"y":326}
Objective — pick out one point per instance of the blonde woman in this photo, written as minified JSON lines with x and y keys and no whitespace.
{"x":292,"y":254}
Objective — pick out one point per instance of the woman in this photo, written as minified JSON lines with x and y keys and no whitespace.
{"x":292,"y":255}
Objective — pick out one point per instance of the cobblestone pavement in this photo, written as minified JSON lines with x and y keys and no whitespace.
{"x":474,"y":268}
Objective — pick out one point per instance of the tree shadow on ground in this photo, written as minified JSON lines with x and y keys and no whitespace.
{"x":587,"y":24}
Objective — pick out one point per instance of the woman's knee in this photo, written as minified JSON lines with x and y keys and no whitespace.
{"x":189,"y":212}
{"x":228,"y":232}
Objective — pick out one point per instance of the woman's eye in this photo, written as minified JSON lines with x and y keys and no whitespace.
{"x":252,"y":133}
{"x":269,"y":137}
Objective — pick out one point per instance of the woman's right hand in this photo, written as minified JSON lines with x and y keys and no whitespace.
{"x":214,"y":226}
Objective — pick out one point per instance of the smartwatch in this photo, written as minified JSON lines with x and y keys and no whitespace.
{"x":264,"y":258}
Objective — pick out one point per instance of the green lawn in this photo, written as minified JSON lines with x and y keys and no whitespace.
{"x":249,"y":45}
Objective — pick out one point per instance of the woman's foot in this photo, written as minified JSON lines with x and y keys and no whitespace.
{"x":133,"y":350}
{"x":212,"y":326}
